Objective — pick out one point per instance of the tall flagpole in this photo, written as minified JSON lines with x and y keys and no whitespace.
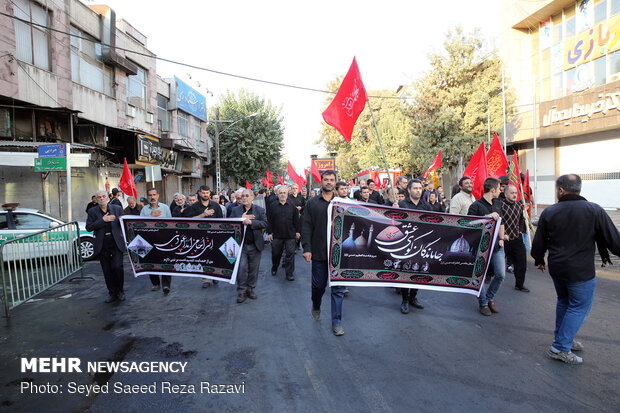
{"x":387,"y":169}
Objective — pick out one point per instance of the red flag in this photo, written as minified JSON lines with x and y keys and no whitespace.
{"x":264,"y":182}
{"x":248,"y":185}
{"x":305,"y":176}
{"x":269,"y":176}
{"x":315,"y":171}
{"x":293,"y":175}
{"x":348,"y":103}
{"x":280,"y":179}
{"x":514,"y":175}
{"x":127,"y":184}
{"x":436,"y":164}
{"x":351,"y":184}
{"x":477,"y":170}
{"x":527,"y":192}
{"x":377,"y":180}
{"x":384,"y":184}
{"x":497,"y":163}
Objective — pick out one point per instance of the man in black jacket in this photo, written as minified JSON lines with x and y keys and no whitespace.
{"x":490,"y":205}
{"x":204,"y":208}
{"x":413,"y":201}
{"x":314,"y":241}
{"x":569,"y":230}
{"x":283,"y":230}
{"x":109,"y":244}
{"x":253,"y":245}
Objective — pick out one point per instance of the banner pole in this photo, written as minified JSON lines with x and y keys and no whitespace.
{"x":387,"y":169}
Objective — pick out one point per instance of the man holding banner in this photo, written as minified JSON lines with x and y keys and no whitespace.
{"x":489,"y":205}
{"x":255,"y":221}
{"x":413,"y":201}
{"x":155,"y":209}
{"x":314,"y":240}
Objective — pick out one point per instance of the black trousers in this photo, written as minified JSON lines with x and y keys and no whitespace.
{"x":515,"y":250}
{"x":278,"y":245}
{"x":111,"y":259}
{"x":408,"y":294}
{"x":165,"y":280}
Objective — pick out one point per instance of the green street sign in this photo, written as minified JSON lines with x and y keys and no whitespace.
{"x":50,"y":164}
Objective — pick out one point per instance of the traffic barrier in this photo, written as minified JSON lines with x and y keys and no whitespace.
{"x":35,"y":262}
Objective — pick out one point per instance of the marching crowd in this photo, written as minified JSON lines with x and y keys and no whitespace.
{"x":291,"y":220}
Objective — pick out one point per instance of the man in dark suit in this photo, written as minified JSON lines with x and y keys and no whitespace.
{"x":103,"y":220}
{"x":256,"y":221}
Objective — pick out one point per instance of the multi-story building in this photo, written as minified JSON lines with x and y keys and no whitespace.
{"x":73,"y":73}
{"x":563,"y":59}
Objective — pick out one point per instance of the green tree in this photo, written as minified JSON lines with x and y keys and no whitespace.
{"x":450,"y":105}
{"x":363,"y":151}
{"x":254,"y":140}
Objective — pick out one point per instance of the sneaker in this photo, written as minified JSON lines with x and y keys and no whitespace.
{"x":316,"y":314}
{"x":155,"y":287}
{"x":493,"y":307}
{"x":485,"y":310}
{"x":121,"y":296}
{"x":274,"y":272}
{"x":337,"y":329}
{"x":404,"y":307}
{"x":577,"y":346}
{"x":510,"y":269}
{"x":565,"y":356}
{"x":290,"y":277}
{"x":166,"y":290}
{"x":346,"y":292}
{"x":522,"y":289}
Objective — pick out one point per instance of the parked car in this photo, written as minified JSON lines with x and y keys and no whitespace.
{"x":16,"y":222}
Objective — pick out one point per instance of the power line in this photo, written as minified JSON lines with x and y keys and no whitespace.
{"x":191,"y":65}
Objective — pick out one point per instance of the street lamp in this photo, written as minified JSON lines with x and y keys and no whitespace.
{"x":218,"y":171}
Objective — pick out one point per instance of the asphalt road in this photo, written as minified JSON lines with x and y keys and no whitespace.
{"x":445,"y":358}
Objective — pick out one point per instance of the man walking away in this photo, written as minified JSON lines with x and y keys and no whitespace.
{"x":568,"y":230}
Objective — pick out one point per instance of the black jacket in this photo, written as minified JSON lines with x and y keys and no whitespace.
{"x":283,"y":220}
{"x":569,"y":230}
{"x":197,"y":208}
{"x":408,"y":204}
{"x":259,"y":223}
{"x":96,"y":224}
{"x":314,"y":232}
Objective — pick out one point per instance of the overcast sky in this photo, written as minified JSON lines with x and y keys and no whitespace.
{"x":301,"y":43}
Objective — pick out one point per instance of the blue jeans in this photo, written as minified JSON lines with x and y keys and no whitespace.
{"x":574,"y":303}
{"x":319,"y":282}
{"x":498,"y":262}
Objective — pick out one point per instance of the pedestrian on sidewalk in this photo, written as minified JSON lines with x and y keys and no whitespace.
{"x":314,"y":240}
{"x":255,"y":221}
{"x":156,"y":209}
{"x":569,"y":230}
{"x":109,"y":243}
{"x":283,"y":231}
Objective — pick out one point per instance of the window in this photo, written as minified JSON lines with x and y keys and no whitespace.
{"x":600,"y":71}
{"x":584,"y":15}
{"x":557,"y":28}
{"x":136,"y":89}
{"x":87,"y":67}
{"x":615,"y":7}
{"x":32,"y":42}
{"x":570,"y":27}
{"x":3,"y":223}
{"x":163,"y":116}
{"x":183,"y":123}
{"x":196,"y":130}
{"x":557,"y":87}
{"x":570,"y":80}
{"x":31,"y":221}
{"x":201,"y":146}
{"x":600,"y":11}
{"x":614,"y":62}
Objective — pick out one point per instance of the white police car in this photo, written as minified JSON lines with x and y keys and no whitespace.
{"x":25,"y":221}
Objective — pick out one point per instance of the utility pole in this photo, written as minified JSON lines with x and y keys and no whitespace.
{"x":218,"y":172}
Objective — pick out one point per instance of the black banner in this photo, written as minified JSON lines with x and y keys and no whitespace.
{"x":184,"y":246}
{"x":372,"y":245}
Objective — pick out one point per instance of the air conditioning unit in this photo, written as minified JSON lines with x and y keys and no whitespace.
{"x":150,"y":118}
{"x":131,"y":111}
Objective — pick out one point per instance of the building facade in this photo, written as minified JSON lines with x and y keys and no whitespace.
{"x":563,"y":59}
{"x":77,"y":74}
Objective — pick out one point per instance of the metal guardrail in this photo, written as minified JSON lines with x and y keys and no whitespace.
{"x":33,"y":263}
